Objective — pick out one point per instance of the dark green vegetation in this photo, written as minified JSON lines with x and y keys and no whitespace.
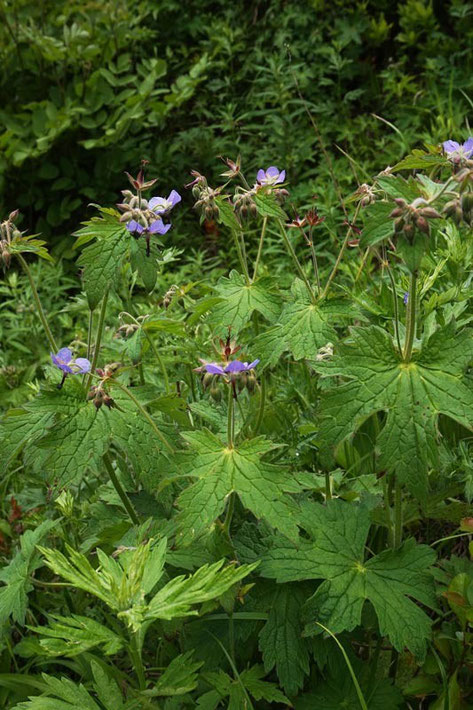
{"x":295,"y":534}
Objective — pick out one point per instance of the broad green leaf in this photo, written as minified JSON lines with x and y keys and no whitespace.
{"x":267,"y":206}
{"x":393,"y":186}
{"x":102,"y":259}
{"x":242,"y":470}
{"x":378,"y":225}
{"x":234,"y":689}
{"x":67,"y":696}
{"x":336,"y":553}
{"x":226,"y":213}
{"x":71,"y":635}
{"x":106,"y":688}
{"x":145,"y":265}
{"x":281,"y":641}
{"x":179,"y":678}
{"x":17,"y":428}
{"x":74,"y":444}
{"x":412,"y":394}
{"x":16,"y":575}
{"x":303,"y":327}
{"x":421,"y":160}
{"x":239,"y":300}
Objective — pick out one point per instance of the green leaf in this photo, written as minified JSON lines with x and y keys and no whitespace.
{"x":378,"y":225}
{"x":179,"y":678}
{"x":74,"y":444}
{"x":145,"y":265}
{"x":267,"y":206}
{"x":226,"y":213}
{"x":281,"y":642}
{"x":413,"y":395}
{"x":335,"y":553}
{"x":106,"y":688}
{"x":102,"y":259}
{"x":261,"y":689}
{"x":239,"y":300}
{"x":16,"y":575}
{"x":421,"y":160}
{"x":393,"y":186}
{"x":68,"y":696}
{"x":303,"y":327}
{"x":72,"y":635}
{"x":29,"y":244}
{"x":221,"y":471}
{"x":17,"y":428}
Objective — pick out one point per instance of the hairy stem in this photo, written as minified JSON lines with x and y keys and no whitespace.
{"x":296,"y":261}
{"x":341,"y":252}
{"x":119,"y":489}
{"x":260,"y":247}
{"x":244,"y":266}
{"x":396,"y":307}
{"x":98,"y":339}
{"x":38,"y":305}
{"x":411,"y":317}
{"x":230,"y":418}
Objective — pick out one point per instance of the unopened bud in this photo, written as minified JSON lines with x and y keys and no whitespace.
{"x":207,"y":380}
{"x":422,"y":224}
{"x":408,"y":230}
{"x":13,"y":215}
{"x":397,"y":212}
{"x":6,"y":258}
{"x":399,"y":224}
{"x":108,"y":401}
{"x":430,"y":213}
{"x":400,"y":201}
{"x":216,"y":393}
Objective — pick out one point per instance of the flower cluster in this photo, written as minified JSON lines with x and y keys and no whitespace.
{"x":146,"y":216}
{"x":409,"y":216}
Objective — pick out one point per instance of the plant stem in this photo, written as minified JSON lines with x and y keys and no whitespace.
{"x":89,"y":333}
{"x":243,"y":265}
{"x":396,"y":308}
{"x":387,"y":508}
{"x":229,"y":515}
{"x":134,"y":651}
{"x":260,"y":247}
{"x":230,"y":418}
{"x":411,"y":317}
{"x":145,"y":414}
{"x":316,"y":268}
{"x":119,"y":489}
{"x":39,"y":307}
{"x":397,"y":514}
{"x":340,"y":253}
{"x":262,"y":401}
{"x":296,"y":261}
{"x":328,"y":486}
{"x":98,"y":339}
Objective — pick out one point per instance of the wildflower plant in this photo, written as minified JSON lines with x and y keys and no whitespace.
{"x":252,"y":529}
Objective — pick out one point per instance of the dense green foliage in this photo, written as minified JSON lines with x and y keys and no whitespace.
{"x":255,"y":491}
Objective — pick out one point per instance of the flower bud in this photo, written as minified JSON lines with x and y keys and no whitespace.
{"x":13,"y":215}
{"x":108,"y":401}
{"x":430,"y":213}
{"x":400,"y":202}
{"x":6,"y":258}
{"x":216,"y":393}
{"x":399,"y":224}
{"x":423,"y":225}
{"x":408,"y":230}
{"x":98,"y":399}
{"x":397,"y":212}
{"x":207,"y":380}
{"x":251,"y":382}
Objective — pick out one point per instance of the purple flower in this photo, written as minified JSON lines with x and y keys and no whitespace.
{"x":71,"y":366}
{"x":456,"y":152}
{"x":161,"y":205}
{"x":232,"y":368}
{"x":156,"y":227}
{"x":406,"y":298}
{"x":271,"y":176}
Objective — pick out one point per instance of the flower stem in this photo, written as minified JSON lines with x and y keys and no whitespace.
{"x":296,"y":261}
{"x":98,"y":338}
{"x":134,"y":652}
{"x":145,"y":414}
{"x":260,"y":247}
{"x":328,"y":486}
{"x":119,"y":489}
{"x":230,"y":418}
{"x":387,"y":509}
{"x":411,"y":317}
{"x":229,"y":515}
{"x":341,"y":252}
{"x":316,"y":267}
{"x":262,"y":401}
{"x":244,"y":266}
{"x":396,"y":308}
{"x":39,"y":307}
{"x":397,"y":514}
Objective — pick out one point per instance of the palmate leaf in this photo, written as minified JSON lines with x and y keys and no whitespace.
{"x":30,"y":244}
{"x":102,"y":259}
{"x":179,"y":678}
{"x":17,"y":428}
{"x":413,"y":395}
{"x":221,"y":471}
{"x":239,"y":300}
{"x":303,"y":327}
{"x":335,"y":553}
{"x":281,"y":641}
{"x":124,"y":583}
